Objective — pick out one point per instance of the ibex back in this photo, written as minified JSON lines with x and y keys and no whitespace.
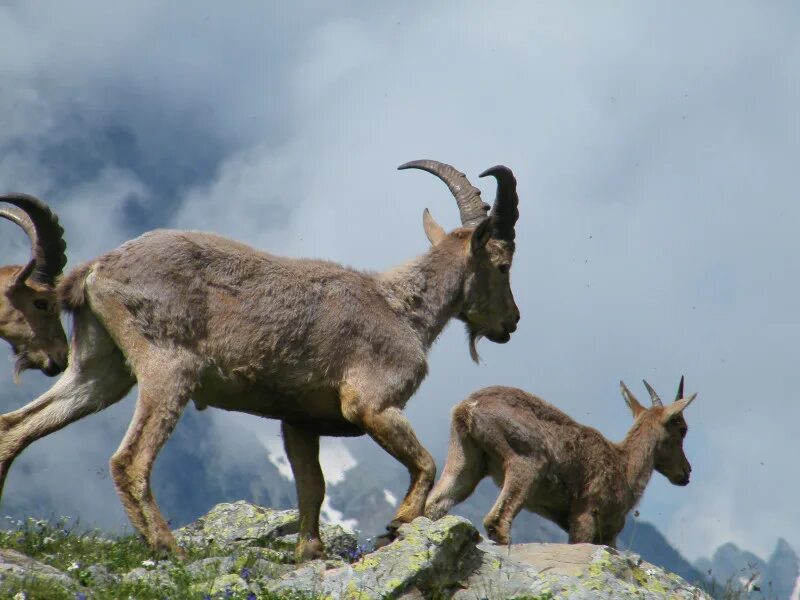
{"x":547,"y":463}
{"x":326,"y":349}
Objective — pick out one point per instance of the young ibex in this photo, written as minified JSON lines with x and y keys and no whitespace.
{"x":29,"y":313}
{"x":547,"y":463}
{"x":326,"y":349}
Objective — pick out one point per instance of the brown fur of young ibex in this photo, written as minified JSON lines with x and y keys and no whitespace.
{"x":29,"y":312}
{"x":547,"y":463}
{"x":326,"y":349}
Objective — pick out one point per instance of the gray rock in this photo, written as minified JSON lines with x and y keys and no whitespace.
{"x":237,"y":524}
{"x":101,"y":576}
{"x":441,"y":559}
{"x":16,"y":565}
{"x":159,"y":576}
{"x":209,"y":568}
{"x":427,"y":558}
{"x":574,"y":571}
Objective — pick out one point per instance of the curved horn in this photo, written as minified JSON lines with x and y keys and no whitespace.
{"x":653,"y":395}
{"x":473,"y":210}
{"x":504,"y":212}
{"x":46,"y":235}
{"x":680,"y":390}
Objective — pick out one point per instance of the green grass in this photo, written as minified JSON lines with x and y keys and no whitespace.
{"x":72,"y":551}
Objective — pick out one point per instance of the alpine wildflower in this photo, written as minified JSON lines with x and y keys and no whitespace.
{"x":245,"y":574}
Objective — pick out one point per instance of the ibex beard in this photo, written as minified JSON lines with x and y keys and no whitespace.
{"x":326,"y":349}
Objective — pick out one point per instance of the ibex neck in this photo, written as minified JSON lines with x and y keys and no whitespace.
{"x":428,"y":291}
{"x":638,"y":455}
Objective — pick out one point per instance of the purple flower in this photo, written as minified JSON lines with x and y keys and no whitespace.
{"x":245,"y":574}
{"x":80,"y":596}
{"x":228,"y":592}
{"x":251,"y":596}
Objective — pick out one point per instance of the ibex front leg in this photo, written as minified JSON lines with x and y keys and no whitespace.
{"x":387,"y":425}
{"x":302,"y":449}
{"x":162,"y":398}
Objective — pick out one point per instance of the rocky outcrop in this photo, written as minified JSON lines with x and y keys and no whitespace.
{"x":247,"y":552}
{"x":444,"y":559}
{"x":241,"y":524}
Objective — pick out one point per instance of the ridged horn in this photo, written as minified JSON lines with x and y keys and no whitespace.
{"x":504,"y":212}
{"x":46,"y":235}
{"x":473,"y":210}
{"x":653,"y":395}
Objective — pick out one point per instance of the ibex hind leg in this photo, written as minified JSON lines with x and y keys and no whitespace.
{"x":387,"y":425}
{"x":302,"y":449}
{"x":518,"y":478}
{"x":96,"y":378}
{"x":464,"y":468}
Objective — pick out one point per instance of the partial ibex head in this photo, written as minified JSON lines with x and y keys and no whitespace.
{"x":670,"y":426}
{"x":29,"y":312}
{"x":488,"y":309}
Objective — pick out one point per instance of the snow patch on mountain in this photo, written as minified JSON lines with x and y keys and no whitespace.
{"x":277,"y":455}
{"x":335,"y":517}
{"x":334,"y":457}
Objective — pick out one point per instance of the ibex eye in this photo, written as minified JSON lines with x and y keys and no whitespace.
{"x":40,"y":304}
{"x":504,"y":268}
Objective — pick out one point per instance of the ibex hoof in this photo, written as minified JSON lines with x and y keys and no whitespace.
{"x":308,"y":550}
{"x":385,"y":539}
{"x":390,"y":535}
{"x":165,"y":548}
{"x":497,"y":536}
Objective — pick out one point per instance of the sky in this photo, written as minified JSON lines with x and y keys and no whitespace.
{"x":655,"y":148}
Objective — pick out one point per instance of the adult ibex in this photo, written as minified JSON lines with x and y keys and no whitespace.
{"x":29,"y":315}
{"x":548,"y":464}
{"x":326,"y":349}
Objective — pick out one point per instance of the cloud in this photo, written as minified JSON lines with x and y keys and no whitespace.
{"x":654,"y":150}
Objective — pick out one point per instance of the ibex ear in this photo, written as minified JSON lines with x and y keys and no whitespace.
{"x":677,"y":408}
{"x":631,"y":401}
{"x":481,"y":235}
{"x":433,"y":230}
{"x":24,"y":273}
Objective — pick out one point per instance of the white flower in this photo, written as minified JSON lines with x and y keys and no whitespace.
{"x":74,"y":566}
{"x":148,"y":563}
{"x":20,"y":596}
{"x":48,"y":540}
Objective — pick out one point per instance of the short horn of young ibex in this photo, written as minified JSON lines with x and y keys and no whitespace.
{"x":29,"y":312}
{"x":326,"y":349}
{"x":547,"y":463}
